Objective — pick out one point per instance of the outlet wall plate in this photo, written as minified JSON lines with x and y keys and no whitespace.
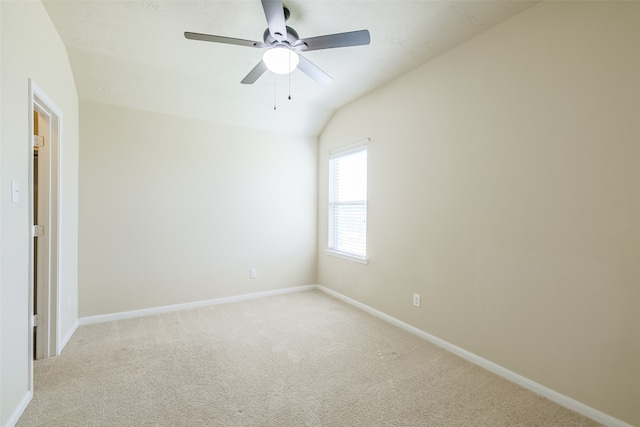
{"x":416,"y":300}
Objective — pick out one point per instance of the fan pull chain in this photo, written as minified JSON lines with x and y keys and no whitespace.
{"x":290,"y":75}
{"x":275,"y":85}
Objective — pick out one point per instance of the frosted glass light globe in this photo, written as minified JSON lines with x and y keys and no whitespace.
{"x":281,"y":60}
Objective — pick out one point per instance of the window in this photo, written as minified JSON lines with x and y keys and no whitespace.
{"x":348,"y":203}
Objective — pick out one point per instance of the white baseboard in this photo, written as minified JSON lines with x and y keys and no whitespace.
{"x":550,"y":394}
{"x":537,"y":388}
{"x":177,"y":307}
{"x":63,"y":342}
{"x":13,"y":420}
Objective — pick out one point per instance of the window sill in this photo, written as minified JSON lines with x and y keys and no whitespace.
{"x":347,"y":256}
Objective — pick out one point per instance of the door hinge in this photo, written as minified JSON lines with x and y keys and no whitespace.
{"x":38,"y":230}
{"x":35,"y":320}
{"x":38,"y":141}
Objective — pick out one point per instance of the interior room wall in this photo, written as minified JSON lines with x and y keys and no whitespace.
{"x":503,"y":188}
{"x":31,"y":48}
{"x":174,"y":210}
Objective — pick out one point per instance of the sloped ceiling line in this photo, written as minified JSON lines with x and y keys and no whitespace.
{"x":133,"y":53}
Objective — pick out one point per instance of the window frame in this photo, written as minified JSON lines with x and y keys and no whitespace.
{"x":340,"y":152}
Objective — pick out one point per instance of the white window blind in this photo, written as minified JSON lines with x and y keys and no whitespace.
{"x":348,"y":202}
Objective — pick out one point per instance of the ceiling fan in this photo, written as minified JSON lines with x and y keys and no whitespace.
{"x":282,"y":44}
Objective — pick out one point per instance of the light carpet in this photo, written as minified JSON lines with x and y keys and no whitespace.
{"x":300,"y":359}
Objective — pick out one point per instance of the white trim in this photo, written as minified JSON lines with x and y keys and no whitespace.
{"x":533,"y":386}
{"x":44,"y":98}
{"x":189,"y":305}
{"x":24,"y":402}
{"x":50,"y":289}
{"x":63,"y":342}
{"x":353,"y":146}
{"x":347,"y":256}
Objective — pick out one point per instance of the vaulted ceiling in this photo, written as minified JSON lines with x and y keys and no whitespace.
{"x":134,"y":53}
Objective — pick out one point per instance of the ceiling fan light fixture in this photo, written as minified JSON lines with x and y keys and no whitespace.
{"x":281,"y":60}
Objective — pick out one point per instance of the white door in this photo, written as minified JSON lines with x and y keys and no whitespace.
{"x":41,"y":217}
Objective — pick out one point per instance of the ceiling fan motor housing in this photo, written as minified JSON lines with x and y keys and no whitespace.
{"x":290,"y":40}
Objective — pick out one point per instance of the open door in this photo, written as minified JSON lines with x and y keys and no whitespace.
{"x":43,"y":206}
{"x":41,"y":230}
{"x":35,"y":238}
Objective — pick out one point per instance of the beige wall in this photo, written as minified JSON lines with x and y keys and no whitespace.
{"x":504,"y":188}
{"x":174,"y":210}
{"x":31,"y":48}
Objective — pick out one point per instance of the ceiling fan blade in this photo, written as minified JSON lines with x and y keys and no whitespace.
{"x":220,"y":39}
{"x":352,"y":38}
{"x":254,"y":74}
{"x":274,"y":12}
{"x":313,"y":71}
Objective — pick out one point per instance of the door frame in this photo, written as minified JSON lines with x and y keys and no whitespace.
{"x":48,"y":336}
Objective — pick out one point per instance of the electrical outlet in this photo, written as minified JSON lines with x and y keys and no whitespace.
{"x":416,"y":300}
{"x":254,"y":273}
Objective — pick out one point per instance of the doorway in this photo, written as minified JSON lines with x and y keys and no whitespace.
{"x":36,"y":146}
{"x":43,"y":149}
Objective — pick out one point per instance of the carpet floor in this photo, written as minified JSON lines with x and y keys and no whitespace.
{"x":300,"y":359}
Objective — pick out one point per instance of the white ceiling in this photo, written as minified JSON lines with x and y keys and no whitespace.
{"x":134,"y":54}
